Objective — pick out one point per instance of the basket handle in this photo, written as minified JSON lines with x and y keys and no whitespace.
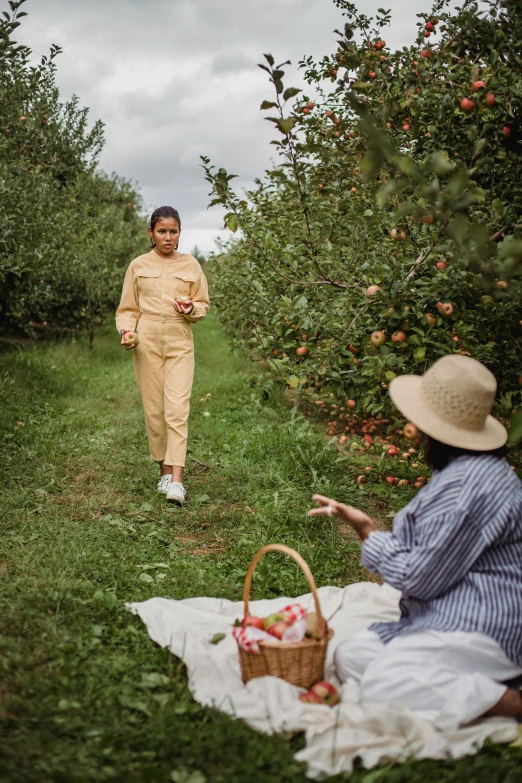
{"x":304,"y":567}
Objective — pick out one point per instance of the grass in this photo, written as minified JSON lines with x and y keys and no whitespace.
{"x":85,"y":695}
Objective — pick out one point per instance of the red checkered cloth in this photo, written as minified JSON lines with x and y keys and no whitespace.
{"x":248,"y":638}
{"x":293,"y":612}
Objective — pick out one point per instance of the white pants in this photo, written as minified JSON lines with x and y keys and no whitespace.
{"x":447,"y":678}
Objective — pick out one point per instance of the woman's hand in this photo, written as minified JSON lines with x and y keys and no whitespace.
{"x":358,"y":520}
{"x":185,"y":308}
{"x":129,"y":339}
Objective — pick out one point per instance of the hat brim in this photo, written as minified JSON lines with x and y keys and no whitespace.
{"x":406,"y":393}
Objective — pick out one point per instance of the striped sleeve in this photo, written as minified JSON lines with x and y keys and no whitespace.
{"x":442,"y":553}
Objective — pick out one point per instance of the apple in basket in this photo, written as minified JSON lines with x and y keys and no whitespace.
{"x":278,"y":628}
{"x":256,"y":622}
{"x":274,"y":618}
{"x":311,"y":625}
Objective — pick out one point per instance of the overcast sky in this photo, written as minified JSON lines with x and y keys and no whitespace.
{"x":176,"y":79}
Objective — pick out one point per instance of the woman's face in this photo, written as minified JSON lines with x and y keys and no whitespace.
{"x":165,"y":235}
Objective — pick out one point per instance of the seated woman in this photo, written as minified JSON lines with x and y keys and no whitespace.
{"x":455,"y":554}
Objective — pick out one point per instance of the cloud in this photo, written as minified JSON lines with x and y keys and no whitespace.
{"x":176,"y":79}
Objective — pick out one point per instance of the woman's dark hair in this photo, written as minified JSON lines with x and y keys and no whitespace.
{"x":163,"y":212}
{"x":438,"y":455}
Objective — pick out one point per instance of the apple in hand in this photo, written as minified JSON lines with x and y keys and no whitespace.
{"x":184,"y":302}
{"x":255,"y":622}
{"x":327,"y":692}
{"x":132,"y":338}
{"x":278,"y":628}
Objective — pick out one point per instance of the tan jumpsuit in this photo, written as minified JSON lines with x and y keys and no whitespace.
{"x":164,"y":357}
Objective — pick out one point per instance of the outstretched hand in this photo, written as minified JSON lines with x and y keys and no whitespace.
{"x":358,"y":520}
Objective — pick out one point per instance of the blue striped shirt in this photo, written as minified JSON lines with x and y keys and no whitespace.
{"x":456,"y":554}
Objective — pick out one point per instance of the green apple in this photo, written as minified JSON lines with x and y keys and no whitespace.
{"x":273,"y":618}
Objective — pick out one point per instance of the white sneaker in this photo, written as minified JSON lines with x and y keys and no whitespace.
{"x":176,"y":493}
{"x":164,"y":483}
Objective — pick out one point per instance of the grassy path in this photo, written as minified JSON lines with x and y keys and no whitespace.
{"x":85,"y":696}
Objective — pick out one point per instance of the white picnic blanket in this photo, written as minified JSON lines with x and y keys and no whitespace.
{"x":335,"y":737}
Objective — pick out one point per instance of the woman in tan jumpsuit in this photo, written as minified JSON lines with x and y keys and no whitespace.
{"x":164,"y":292}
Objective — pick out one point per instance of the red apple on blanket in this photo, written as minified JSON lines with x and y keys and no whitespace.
{"x":255,"y":622}
{"x":310,"y":698}
{"x":278,"y":628}
{"x":327,"y":692}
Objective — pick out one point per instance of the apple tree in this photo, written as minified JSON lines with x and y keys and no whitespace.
{"x":389,"y":234}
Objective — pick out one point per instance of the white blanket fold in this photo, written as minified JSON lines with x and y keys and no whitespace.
{"x":335,"y":737}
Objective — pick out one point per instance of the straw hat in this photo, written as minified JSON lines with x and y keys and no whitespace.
{"x":452,"y":403}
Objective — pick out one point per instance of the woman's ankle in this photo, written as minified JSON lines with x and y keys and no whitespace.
{"x":509,"y":706}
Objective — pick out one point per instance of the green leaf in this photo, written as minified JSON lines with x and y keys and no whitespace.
{"x":440,"y":164}
{"x":218,"y":637}
{"x":290,"y":92}
{"x":292,"y":381}
{"x":515,"y":428}
{"x":479,"y":146}
{"x":268,"y":105}
{"x":458,"y":228}
{"x":232,"y":222}
{"x":286,"y":125}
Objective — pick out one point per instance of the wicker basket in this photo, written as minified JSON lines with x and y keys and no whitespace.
{"x":299,"y":663}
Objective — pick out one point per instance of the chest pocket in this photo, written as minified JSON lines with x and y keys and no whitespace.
{"x":183,"y":284}
{"x":148,"y":281}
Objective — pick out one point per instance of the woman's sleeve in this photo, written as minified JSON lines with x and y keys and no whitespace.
{"x":200,"y":300}
{"x":128,"y":312}
{"x":444,"y":550}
